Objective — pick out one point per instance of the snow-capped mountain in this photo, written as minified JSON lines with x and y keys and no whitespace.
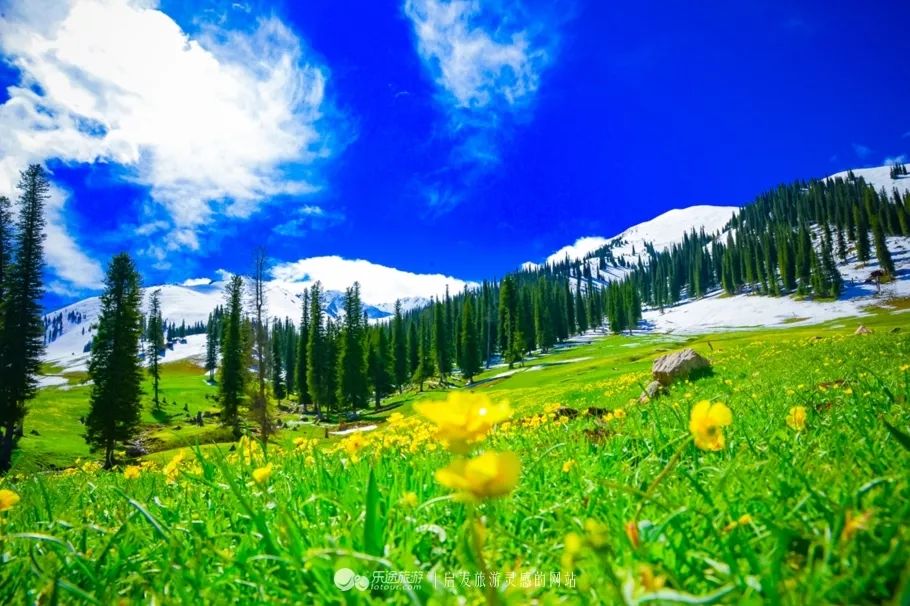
{"x":662,"y":232}
{"x":69,"y":330}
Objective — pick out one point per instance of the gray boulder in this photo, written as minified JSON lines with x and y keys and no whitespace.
{"x":653,"y":390}
{"x":676,"y":365}
{"x":863,"y":330}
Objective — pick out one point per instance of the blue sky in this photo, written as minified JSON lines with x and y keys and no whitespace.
{"x":458,"y":138}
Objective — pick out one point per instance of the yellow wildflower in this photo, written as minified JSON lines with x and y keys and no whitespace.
{"x":464,"y":418}
{"x":131,"y":472}
{"x":408,"y":499}
{"x":172,"y":469}
{"x":8,"y":499}
{"x":855,"y":522}
{"x":568,"y":465}
{"x":650,"y":582}
{"x":796,"y":418}
{"x":619,"y":413}
{"x":262,"y":474}
{"x":395,"y":418}
{"x":706,"y":423}
{"x":490,"y":474}
{"x":596,"y":533}
{"x":571,"y":548}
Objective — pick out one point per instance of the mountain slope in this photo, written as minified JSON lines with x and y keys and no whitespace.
{"x":662,"y":231}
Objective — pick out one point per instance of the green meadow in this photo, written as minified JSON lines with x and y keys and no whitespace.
{"x":614,"y":504}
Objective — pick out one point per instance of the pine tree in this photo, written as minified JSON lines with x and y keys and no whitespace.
{"x":260,"y":404}
{"x":6,"y":248}
{"x":470,"y":347}
{"x":379,"y":366}
{"x":22,"y":335}
{"x":352,"y":385}
{"x":399,"y":349}
{"x":277,"y":365}
{"x":317,"y":352}
{"x":155,"y":339}
{"x":211,"y":347}
{"x":862,"y":233}
{"x":881,"y":247}
{"x":289,"y":357}
{"x":115,"y":367}
{"x":424,"y":369}
{"x":303,"y":391}
{"x":234,"y":358}
{"x":441,"y":352}
{"x":413,"y":348}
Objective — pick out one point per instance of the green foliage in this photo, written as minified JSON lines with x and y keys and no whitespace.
{"x":22,"y":334}
{"x":235,"y":357}
{"x":115,"y":368}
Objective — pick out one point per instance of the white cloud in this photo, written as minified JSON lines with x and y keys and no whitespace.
{"x":214,"y":124}
{"x":582,"y":247}
{"x":476,"y":65}
{"x":75,"y":270}
{"x":892,"y":160}
{"x":378,"y":283}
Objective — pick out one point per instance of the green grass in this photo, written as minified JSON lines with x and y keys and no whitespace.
{"x":217,"y":536}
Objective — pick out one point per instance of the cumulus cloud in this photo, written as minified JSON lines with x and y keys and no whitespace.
{"x":213,"y":123}
{"x":487,"y":61}
{"x":476,"y":58}
{"x":892,"y":160}
{"x":378,"y":283}
{"x":75,"y":270}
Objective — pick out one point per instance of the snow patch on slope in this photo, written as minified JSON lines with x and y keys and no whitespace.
{"x":878,"y":177}
{"x":662,"y":231}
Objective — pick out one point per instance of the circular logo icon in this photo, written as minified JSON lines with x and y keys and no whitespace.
{"x":346,"y":579}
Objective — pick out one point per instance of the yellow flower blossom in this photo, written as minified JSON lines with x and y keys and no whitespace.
{"x":488,"y":475}
{"x":261,"y":475}
{"x":131,"y":472}
{"x":796,"y":418}
{"x":8,"y":499}
{"x":172,"y":469}
{"x":408,"y":499}
{"x":464,"y":418}
{"x":596,"y":533}
{"x":571,"y":548}
{"x":568,"y":465}
{"x":706,"y":423}
{"x":854,"y":522}
{"x":649,"y":581}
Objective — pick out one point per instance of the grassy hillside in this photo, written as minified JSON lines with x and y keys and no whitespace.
{"x":618,"y":506}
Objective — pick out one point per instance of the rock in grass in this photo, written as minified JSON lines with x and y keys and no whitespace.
{"x":652,"y":391}
{"x":863,"y":330}
{"x":678,"y":364}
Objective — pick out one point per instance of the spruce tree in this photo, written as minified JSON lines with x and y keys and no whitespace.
{"x":352,"y":385}
{"x":234,"y":357}
{"x":441,"y":351}
{"x":317,"y":352}
{"x":303,"y":391}
{"x":115,"y":367}
{"x":424,"y":368}
{"x":260,"y":404}
{"x":399,"y":349}
{"x":881,"y":247}
{"x":277,"y":364}
{"x":6,"y":248}
{"x":413,"y":348}
{"x":211,"y":347}
{"x":155,"y":340}
{"x":22,"y":335}
{"x":470,"y":347}
{"x":379,"y":366}
{"x":862,"y":233}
